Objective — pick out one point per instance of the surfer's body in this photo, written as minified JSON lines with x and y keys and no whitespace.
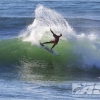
{"x":55,"y":41}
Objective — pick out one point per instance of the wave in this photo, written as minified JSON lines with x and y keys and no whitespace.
{"x":85,"y":44}
{"x":27,"y":59}
{"x":15,"y":50}
{"x":77,"y":52}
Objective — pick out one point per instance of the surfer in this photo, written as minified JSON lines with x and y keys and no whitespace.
{"x":55,"y":41}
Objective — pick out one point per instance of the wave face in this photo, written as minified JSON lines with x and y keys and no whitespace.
{"x":15,"y":51}
{"x":78,"y":52}
{"x":85,"y":45}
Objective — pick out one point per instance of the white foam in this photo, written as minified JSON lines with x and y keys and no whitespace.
{"x":89,"y":47}
{"x":44,"y":19}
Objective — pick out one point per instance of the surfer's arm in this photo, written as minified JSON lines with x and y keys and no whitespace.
{"x":51,"y":31}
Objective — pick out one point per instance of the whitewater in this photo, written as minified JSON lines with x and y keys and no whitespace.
{"x":83,"y":44}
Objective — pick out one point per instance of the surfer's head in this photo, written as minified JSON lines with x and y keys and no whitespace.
{"x":60,"y":35}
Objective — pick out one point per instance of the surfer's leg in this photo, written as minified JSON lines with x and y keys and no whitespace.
{"x":48,"y":42}
{"x":53,"y":46}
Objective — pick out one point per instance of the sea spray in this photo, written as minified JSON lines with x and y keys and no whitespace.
{"x":45,"y":19}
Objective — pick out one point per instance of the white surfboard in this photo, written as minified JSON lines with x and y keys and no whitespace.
{"x":48,"y":49}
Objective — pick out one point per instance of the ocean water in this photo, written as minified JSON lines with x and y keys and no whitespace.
{"x":27,"y":71}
